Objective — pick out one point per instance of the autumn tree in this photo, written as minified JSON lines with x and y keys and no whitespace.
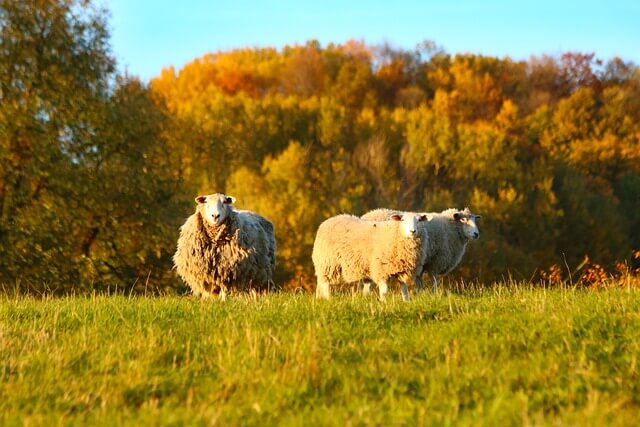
{"x":304,"y":72}
{"x":578,"y":70}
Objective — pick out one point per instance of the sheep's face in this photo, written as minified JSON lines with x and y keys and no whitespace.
{"x":409,"y":223}
{"x":467,"y":221}
{"x":215,"y":208}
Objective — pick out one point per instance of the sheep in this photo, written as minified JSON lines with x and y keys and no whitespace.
{"x":220,"y":249}
{"x":349,"y":249}
{"x":449,"y":232}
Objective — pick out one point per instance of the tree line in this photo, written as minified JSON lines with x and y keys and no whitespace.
{"x":98,"y":170}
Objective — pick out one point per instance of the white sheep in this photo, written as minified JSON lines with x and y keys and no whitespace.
{"x":449,"y":232}
{"x":221,"y":248}
{"x":348,"y":249}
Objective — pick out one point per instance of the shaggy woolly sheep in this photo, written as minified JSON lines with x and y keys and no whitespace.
{"x":349,"y":249}
{"x":449,"y":232}
{"x":221,"y":248}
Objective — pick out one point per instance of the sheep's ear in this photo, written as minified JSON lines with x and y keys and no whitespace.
{"x":478,"y":216}
{"x":396,"y":217}
{"x":229,"y":200}
{"x":201,"y":199}
{"x":457,"y":216}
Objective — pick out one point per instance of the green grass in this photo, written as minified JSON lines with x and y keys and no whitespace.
{"x":513,"y":355}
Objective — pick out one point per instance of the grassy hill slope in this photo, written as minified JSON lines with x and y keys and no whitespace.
{"x":509,"y":355}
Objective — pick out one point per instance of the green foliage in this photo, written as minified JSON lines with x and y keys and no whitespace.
{"x":128,"y":213}
{"x":53,"y":68}
{"x":504,"y":356}
{"x":87,"y":183}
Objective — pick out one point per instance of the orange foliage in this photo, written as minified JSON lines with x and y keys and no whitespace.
{"x":391,"y":78}
{"x":592,"y":274}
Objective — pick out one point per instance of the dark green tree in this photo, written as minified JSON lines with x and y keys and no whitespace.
{"x":128,"y":210}
{"x":87,"y":182}
{"x":55,"y":67}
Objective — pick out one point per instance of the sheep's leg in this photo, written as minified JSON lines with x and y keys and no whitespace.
{"x":322,"y":289}
{"x":383,"y":288}
{"x":222,"y":296}
{"x":434,"y":282}
{"x":366,"y":288}
{"x":405,"y":291}
{"x":418,"y":283}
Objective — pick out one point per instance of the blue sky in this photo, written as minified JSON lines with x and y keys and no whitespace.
{"x":147,"y":35}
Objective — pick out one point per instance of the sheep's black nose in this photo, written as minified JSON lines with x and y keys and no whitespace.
{"x":476,"y":235}
{"x":216,"y":216}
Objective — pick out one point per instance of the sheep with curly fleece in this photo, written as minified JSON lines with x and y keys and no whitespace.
{"x":449,"y":232}
{"x":348,"y":249}
{"x":222,"y":249}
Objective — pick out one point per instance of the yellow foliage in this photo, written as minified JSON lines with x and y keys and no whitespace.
{"x":307,"y":132}
{"x":508,"y":115}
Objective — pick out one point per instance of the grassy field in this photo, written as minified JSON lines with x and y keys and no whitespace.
{"x":507,"y":355}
